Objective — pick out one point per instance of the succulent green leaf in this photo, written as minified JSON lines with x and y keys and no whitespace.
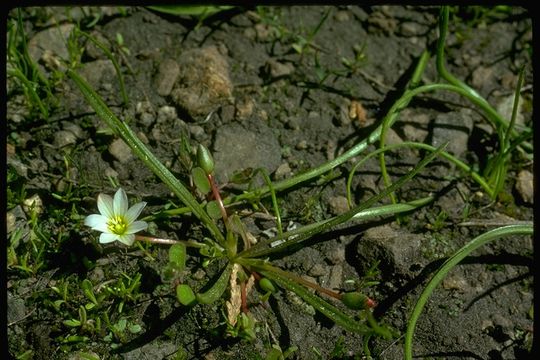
{"x":72,"y":323}
{"x":177,"y":255}
{"x":201,"y":180}
{"x":215,"y":292}
{"x":185,"y":295}
{"x":212,"y":208}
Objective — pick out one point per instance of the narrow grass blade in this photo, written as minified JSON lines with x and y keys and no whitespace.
{"x":448,"y":265}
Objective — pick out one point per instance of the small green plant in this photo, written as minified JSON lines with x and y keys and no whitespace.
{"x":302,"y":43}
{"x":20,"y":66}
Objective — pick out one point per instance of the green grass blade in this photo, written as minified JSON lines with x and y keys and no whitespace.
{"x":111,"y":57}
{"x":448,"y":265}
{"x":460,"y":164}
{"x":189,"y":10}
{"x":266,"y":178}
{"x":306,"y":232}
{"x":217,"y":289}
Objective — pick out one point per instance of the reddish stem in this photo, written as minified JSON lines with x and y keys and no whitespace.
{"x":217,"y":197}
{"x":243,"y":296}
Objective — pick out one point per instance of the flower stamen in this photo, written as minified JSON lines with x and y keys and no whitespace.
{"x":117,"y":225}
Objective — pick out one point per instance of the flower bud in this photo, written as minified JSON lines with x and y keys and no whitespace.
{"x":204,"y":159}
{"x":355,"y":300}
{"x":267,"y":285}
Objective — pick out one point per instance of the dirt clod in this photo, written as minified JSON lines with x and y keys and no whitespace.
{"x":203,"y":83}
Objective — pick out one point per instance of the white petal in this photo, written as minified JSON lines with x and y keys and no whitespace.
{"x":134,"y":212}
{"x":107,"y":238}
{"x":97,"y":222}
{"x":128,"y":239}
{"x":120,"y":204}
{"x":105,"y":205}
{"x":136,"y":227}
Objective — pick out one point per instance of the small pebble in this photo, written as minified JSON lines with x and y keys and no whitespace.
{"x":525,"y":186}
{"x":120,"y":151}
{"x":33,"y":204}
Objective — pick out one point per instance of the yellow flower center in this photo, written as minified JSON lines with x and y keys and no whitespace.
{"x":117,"y":225}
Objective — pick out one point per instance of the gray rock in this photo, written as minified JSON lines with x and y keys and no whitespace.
{"x":147,"y":119}
{"x":282,"y":171}
{"x":16,"y":220}
{"x":506,"y":106}
{"x":457,"y":283}
{"x":33,"y":205}
{"x":397,"y":251}
{"x":244,"y":109}
{"x":276,"y":69}
{"x":203,"y":83}
{"x":481,"y":75}
{"x":342,"y":16}
{"x":343,"y":119}
{"x":454,"y":127}
{"x":166,"y":113}
{"x":236,"y":148}
{"x":317,"y":270}
{"x":302,"y":145}
{"x":16,"y":309}
{"x":197,"y":132}
{"x":51,"y":41}
{"x":146,"y":113}
{"x":75,"y":129}
{"x":409,"y":28}
{"x":120,"y":151}
{"x":110,"y":172}
{"x":20,"y":168}
{"x":97,"y":70}
{"x":64,"y":138}
{"x":392,"y":138}
{"x":415,"y":125}
{"x":92,"y":50}
{"x":152,"y":350}
{"x":334,"y":279}
{"x":338,"y":204}
{"x":264,"y":32}
{"x":166,"y":77}
{"x":525,"y":186}
{"x":336,"y":255}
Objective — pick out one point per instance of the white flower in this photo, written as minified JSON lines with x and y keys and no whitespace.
{"x":116,"y":221}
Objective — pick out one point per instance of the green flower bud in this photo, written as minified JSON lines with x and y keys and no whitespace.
{"x":204,"y":159}
{"x":354,"y":300}
{"x":267,"y":285}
